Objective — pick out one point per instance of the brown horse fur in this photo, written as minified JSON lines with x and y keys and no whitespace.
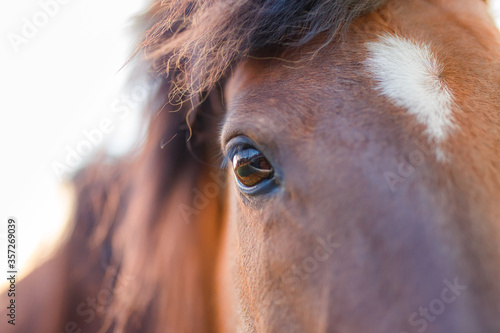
{"x":149,"y":233}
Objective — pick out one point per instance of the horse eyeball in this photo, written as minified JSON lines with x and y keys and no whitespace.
{"x":251,"y":167}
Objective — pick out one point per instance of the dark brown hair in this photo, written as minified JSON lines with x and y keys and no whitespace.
{"x":201,"y":39}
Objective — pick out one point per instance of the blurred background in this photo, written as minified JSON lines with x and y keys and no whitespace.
{"x":62,"y":101}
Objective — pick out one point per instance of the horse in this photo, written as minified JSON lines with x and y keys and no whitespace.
{"x":309,"y":166}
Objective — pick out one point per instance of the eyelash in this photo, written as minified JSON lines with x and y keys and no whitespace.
{"x":232,"y":149}
{"x":227,"y":157}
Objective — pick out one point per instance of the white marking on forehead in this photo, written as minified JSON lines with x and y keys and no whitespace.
{"x":409,"y":74}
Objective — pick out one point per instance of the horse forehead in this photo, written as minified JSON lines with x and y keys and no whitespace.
{"x":407,"y":74}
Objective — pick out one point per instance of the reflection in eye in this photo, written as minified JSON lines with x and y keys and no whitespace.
{"x":251,"y":167}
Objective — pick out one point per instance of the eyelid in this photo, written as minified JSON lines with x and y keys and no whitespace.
{"x":239,"y":141}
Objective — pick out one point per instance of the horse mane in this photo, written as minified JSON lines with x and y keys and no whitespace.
{"x":203,"y":38}
{"x":134,"y":210}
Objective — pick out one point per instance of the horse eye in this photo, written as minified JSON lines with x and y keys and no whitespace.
{"x":251,"y":167}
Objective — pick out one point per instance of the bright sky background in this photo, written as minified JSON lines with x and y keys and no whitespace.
{"x":62,"y":81}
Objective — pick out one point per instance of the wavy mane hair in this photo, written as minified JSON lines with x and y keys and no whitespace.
{"x":159,"y":265}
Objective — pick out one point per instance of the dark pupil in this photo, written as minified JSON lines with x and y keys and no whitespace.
{"x":251,"y":167}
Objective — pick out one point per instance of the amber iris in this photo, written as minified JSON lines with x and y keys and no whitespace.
{"x":251,"y":167}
